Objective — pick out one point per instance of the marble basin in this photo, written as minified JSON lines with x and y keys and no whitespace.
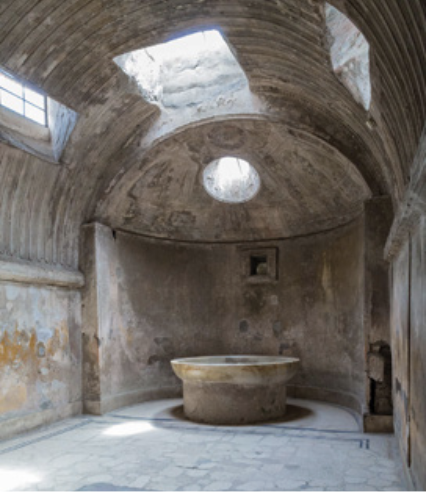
{"x":234,"y":389}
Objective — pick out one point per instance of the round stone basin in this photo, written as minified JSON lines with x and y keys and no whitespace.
{"x":235,"y":389}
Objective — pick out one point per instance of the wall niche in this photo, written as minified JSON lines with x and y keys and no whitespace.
{"x":259,"y":265}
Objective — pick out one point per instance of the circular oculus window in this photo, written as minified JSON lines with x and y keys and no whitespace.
{"x":231,"y":180}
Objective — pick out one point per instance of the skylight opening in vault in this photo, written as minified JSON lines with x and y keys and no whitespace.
{"x":23,"y":100}
{"x":231,"y":180}
{"x":185,"y":72}
{"x":33,"y":121}
{"x":350,"y":55}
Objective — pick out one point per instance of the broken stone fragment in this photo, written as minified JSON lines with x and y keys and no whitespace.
{"x":376,"y":366}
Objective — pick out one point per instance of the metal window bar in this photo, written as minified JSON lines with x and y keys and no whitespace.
{"x":25,"y":100}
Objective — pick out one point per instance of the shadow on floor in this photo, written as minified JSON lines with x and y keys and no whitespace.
{"x":293,"y":413}
{"x":106,"y":486}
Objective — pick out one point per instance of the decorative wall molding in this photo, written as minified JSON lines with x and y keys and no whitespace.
{"x":27,"y":273}
{"x":413,"y":207}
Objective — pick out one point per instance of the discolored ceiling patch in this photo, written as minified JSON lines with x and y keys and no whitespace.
{"x":227,"y":136}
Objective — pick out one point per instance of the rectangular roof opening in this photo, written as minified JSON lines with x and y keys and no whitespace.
{"x":187,"y":71}
{"x":23,"y":100}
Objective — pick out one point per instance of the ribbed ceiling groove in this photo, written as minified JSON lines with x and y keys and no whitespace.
{"x":67,"y":48}
{"x":396,"y":88}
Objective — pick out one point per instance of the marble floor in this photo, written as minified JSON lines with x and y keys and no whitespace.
{"x":152,"y":447}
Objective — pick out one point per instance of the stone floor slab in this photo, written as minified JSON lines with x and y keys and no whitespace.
{"x":152,"y":447}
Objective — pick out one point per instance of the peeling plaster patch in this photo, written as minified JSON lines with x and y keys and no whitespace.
{"x":11,"y":292}
{"x":13,"y":398}
{"x":44,"y":334}
{"x":41,"y":350}
{"x":38,"y":360}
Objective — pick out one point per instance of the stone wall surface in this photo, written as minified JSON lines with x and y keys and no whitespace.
{"x":313,"y":311}
{"x":158,"y":300}
{"x":378,"y":220}
{"x":405,"y":249}
{"x":409,"y":353}
{"x":400,"y":319}
{"x":40,"y":356}
{"x":145,"y":303}
{"x":418,"y":356}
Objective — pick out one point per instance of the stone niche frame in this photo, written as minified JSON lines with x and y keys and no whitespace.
{"x":262,"y":259}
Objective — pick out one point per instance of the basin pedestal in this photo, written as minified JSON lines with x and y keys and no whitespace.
{"x":223,"y":403}
{"x":234,"y":389}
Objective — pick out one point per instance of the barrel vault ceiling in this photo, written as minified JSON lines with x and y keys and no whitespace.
{"x":318,"y":152}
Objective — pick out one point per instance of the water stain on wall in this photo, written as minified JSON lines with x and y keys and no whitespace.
{"x":17,"y":348}
{"x":31,"y":368}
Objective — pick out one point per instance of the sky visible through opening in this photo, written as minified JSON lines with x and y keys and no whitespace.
{"x":231,"y":180}
{"x":186,"y":71}
{"x":350,"y":55}
{"x":195,"y":75}
{"x":22,"y":100}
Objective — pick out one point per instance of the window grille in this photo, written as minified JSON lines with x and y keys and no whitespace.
{"x":21,"y":99}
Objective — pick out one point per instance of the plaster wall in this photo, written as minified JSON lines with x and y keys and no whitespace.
{"x":378,"y":221}
{"x":145,"y":303}
{"x":314,"y":311}
{"x":157,"y":300}
{"x":409,"y":348}
{"x":406,"y":249}
{"x":40,"y":355}
{"x":400,"y":332}
{"x":418,"y":355}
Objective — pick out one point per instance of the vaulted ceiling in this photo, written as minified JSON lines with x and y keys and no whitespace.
{"x":318,"y":152}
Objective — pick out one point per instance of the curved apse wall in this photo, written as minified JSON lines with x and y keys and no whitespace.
{"x":160,"y":300}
